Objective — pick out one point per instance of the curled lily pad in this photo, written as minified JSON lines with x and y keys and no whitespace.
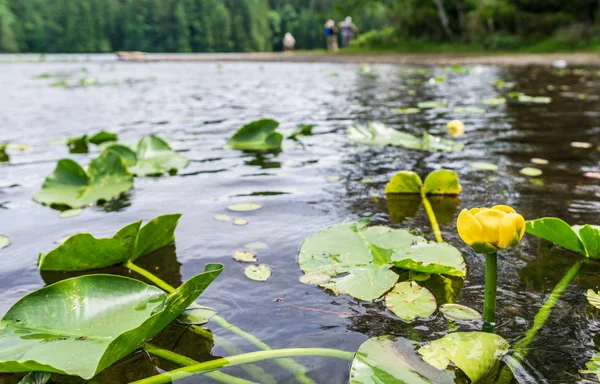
{"x":477,"y":354}
{"x":221,"y":217}
{"x":556,"y":231}
{"x":408,"y":300}
{"x":103,"y":137}
{"x":314,"y":278}
{"x":70,"y":185}
{"x":244,"y":256}
{"x":196,"y":316}
{"x":530,"y":171}
{"x":301,"y":130}
{"x":244,"y":207}
{"x":258,"y":272}
{"x":70,"y":213}
{"x":259,"y":135}
{"x":593,"y":298}
{"x":4,"y":241}
{"x":240,"y":222}
{"x":459,"y":312}
{"x":484,"y":166}
{"x":366,"y":254}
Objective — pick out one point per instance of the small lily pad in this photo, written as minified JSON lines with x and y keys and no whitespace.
{"x":314,"y":278}
{"x":495,"y":101}
{"x":70,"y":213}
{"x":259,"y":135}
{"x":4,"y":241}
{"x":536,"y":160}
{"x":244,"y":256}
{"x":240,"y":222}
{"x":258,"y":272}
{"x":256,"y":245}
{"x":196,"y":316}
{"x":406,"y":111}
{"x":484,"y":166}
{"x":459,"y":312}
{"x":244,"y":207}
{"x":408,"y":300}
{"x":222,"y":217}
{"x":534,"y":99}
{"x":530,"y":171}
{"x":593,"y":298}
{"x":475,"y":110}
{"x":431,"y":104}
{"x":581,"y":144}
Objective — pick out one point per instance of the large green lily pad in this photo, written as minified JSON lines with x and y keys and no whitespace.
{"x":582,"y":239}
{"x":259,"y":135}
{"x":384,"y":360}
{"x":366,"y":255}
{"x":438,"y":182}
{"x":408,"y":300}
{"x":376,"y":133}
{"x":70,"y":185}
{"x":82,"y":325}
{"x":83,"y":251}
{"x":477,"y":354}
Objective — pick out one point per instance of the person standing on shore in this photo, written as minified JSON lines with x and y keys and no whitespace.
{"x":331,"y":36}
{"x":288,"y":42}
{"x":348,"y":31}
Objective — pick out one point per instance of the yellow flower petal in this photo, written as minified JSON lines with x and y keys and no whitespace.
{"x":512,"y":228}
{"x":490,"y":222}
{"x":469,"y":229}
{"x":473,"y":211}
{"x":456,"y":128}
{"x":504,"y":208}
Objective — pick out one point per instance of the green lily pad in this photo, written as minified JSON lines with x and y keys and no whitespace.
{"x":459,"y":312}
{"x":376,"y":133}
{"x":70,"y":185}
{"x":196,"y":316}
{"x":221,"y":217}
{"x":98,"y":318}
{"x":258,"y":272}
{"x":103,"y":137}
{"x":442,"y":182}
{"x":408,"y":300}
{"x":484,"y":166}
{"x":534,"y":99}
{"x":431,"y":104}
{"x":406,"y":111}
{"x":477,"y":354}
{"x":314,"y":278}
{"x":366,"y":255}
{"x":384,"y":360}
{"x":259,"y":135}
{"x":240,"y":222}
{"x":36,"y":378}
{"x":593,"y":366}
{"x":556,"y":231}
{"x":495,"y":101}
{"x":530,"y":171}
{"x":4,"y":241}
{"x":244,"y":256}
{"x":404,"y":182}
{"x":301,"y":130}
{"x":70,"y":213}
{"x":80,"y":144}
{"x":244,"y":207}
{"x":474,"y":110}
{"x":83,"y":251}
{"x":593,"y":298}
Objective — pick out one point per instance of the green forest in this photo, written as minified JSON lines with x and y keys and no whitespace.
{"x":80,"y":26}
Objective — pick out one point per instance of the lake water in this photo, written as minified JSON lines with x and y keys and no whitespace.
{"x":311,"y":184}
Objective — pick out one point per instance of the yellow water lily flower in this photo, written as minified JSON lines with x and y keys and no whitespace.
{"x":490,"y":229}
{"x":456,"y":128}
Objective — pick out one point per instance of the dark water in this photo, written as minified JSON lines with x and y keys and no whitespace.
{"x":199,"y":105}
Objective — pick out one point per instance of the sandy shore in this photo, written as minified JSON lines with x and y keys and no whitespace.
{"x":409,"y":59}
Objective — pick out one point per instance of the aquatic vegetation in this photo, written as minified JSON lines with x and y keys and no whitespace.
{"x":4,"y":158}
{"x":406,"y":111}
{"x":4,"y":241}
{"x":456,"y":128}
{"x":244,"y":207}
{"x":301,"y":130}
{"x":593,"y":298}
{"x":70,"y":185}
{"x":153,"y":156}
{"x":531,"y":171}
{"x":244,"y":256}
{"x":80,"y":144}
{"x":431,"y":104}
{"x":55,"y":323}
{"x":366,"y":254}
{"x":495,"y":101}
{"x":376,"y":133}
{"x":475,"y":110}
{"x":259,"y":135}
{"x":70,"y":213}
{"x":534,"y":99}
{"x":581,"y":239}
{"x":258,"y":272}
{"x":459,"y":312}
{"x":593,"y":366}
{"x":408,"y":300}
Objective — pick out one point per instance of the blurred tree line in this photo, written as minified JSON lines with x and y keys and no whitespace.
{"x":259,"y":25}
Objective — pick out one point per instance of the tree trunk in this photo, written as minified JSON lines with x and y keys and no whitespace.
{"x":443,"y":17}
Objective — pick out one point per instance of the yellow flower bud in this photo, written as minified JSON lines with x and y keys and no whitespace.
{"x":456,"y":128}
{"x":487,"y":230}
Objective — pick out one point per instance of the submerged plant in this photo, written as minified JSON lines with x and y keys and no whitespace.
{"x":487,"y":230}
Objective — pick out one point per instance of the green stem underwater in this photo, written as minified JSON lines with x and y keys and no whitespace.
{"x":431,"y":215}
{"x":243,"y":359}
{"x":491,"y":282}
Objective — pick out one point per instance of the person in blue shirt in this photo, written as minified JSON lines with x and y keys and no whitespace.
{"x":331,"y":36}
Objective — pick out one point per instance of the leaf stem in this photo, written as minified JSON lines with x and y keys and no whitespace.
{"x":243,"y":359}
{"x":298,"y":370}
{"x":186,"y":361}
{"x":431,"y":215}
{"x":489,"y":301}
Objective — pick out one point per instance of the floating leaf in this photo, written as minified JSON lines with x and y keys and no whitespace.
{"x":459,"y":312}
{"x":244,"y":256}
{"x":83,"y":251}
{"x":404,"y":182}
{"x":244,"y":207}
{"x":256,"y":245}
{"x":495,"y":101}
{"x":98,"y":318}
{"x":103,"y":137}
{"x":70,"y":213}
{"x":593,"y":298}
{"x":593,"y":366}
{"x":408,"y":300}
{"x":431,"y":104}
{"x":258,"y":272}
{"x":580,"y":144}
{"x":221,"y":217}
{"x":406,"y":111}
{"x":36,"y":378}
{"x":196,"y":316}
{"x":302,"y":130}
{"x":259,"y":135}
{"x":78,"y":144}
{"x":314,"y":278}
{"x":484,"y":166}
{"x":478,"y":354}
{"x":366,"y":255}
{"x":442,"y":182}
{"x":70,"y":185}
{"x":534,"y":99}
{"x":556,"y":231}
{"x":384,"y":360}
{"x":240,"y":222}
{"x":4,"y":241}
{"x":475,"y":110}
{"x":530,"y":171}
{"x":536,"y":160}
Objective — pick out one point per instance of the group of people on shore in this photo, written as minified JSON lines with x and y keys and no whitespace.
{"x":346,"y":26}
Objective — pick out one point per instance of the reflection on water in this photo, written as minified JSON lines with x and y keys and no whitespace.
{"x":313,"y":183}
